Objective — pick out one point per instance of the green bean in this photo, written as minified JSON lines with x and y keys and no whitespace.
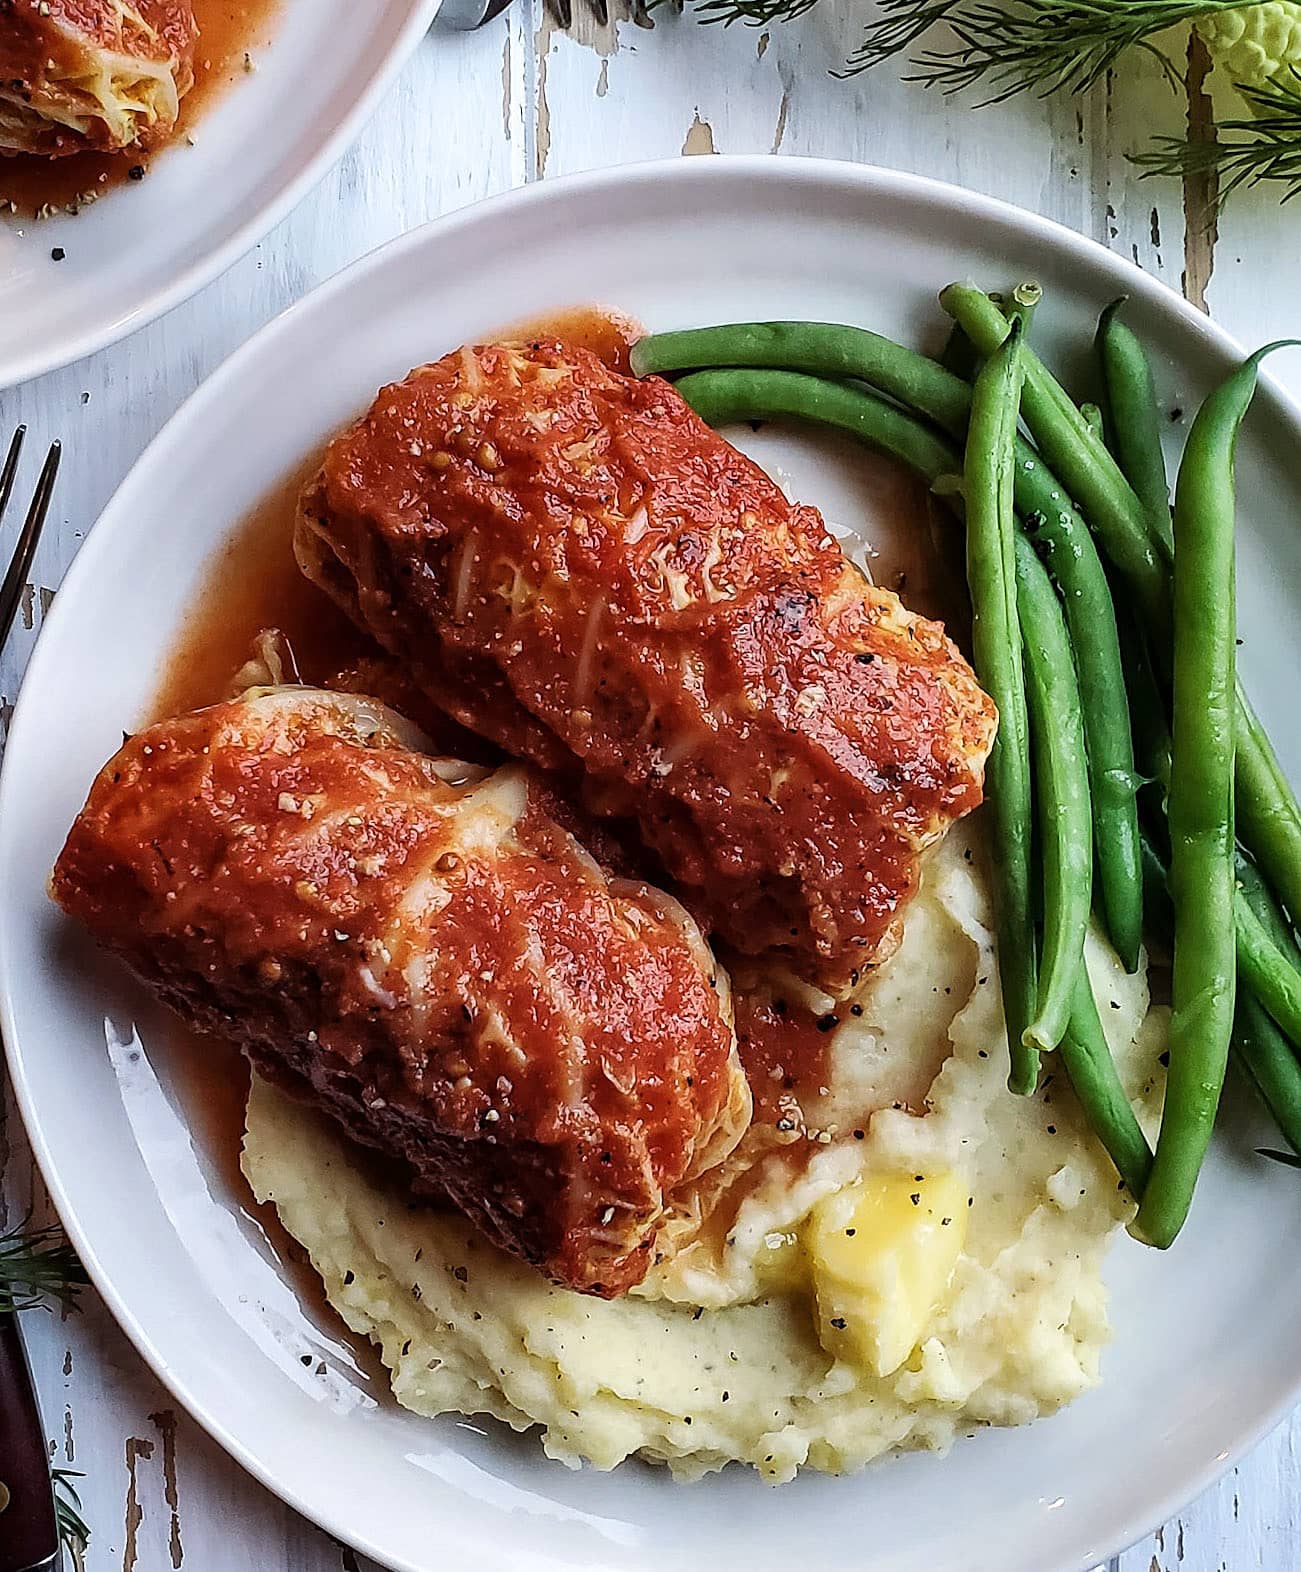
{"x":1156,"y":890}
{"x":1267,"y":812}
{"x":1092,"y":416}
{"x":1271,"y":1065}
{"x":1262,"y":811}
{"x":1061,"y":785}
{"x":1148,"y":724}
{"x":722,"y":397}
{"x":1134,"y":421}
{"x":1075,"y":454}
{"x":1255,"y":891}
{"x":958,"y":356}
{"x":1200,"y":807}
{"x":1268,"y":972}
{"x":1266,"y":940}
{"x":996,"y":641}
{"x":821,"y":349}
{"x":1268,"y":815}
{"x":1021,"y":305}
{"x":1262,"y":1050}
{"x":1063,"y":780}
{"x":1269,"y":818}
{"x":1259,"y":915}
{"x":1091,"y":619}
{"x":1087,"y":1056}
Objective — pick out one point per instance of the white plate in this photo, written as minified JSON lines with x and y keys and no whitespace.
{"x":258,"y":149}
{"x":1207,"y":1351}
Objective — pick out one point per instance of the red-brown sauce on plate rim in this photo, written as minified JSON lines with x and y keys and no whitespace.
{"x":229,"y":31}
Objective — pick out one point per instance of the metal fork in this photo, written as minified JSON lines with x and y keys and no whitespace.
{"x":639,"y":11}
{"x":20,"y":566}
{"x":29,"y":1538}
{"x":464,"y":15}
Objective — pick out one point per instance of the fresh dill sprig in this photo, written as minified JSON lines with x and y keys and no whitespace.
{"x":1025,"y":46}
{"x":1015,"y":46}
{"x":37,"y":1264}
{"x":900,"y":24}
{"x":74,"y":1532}
{"x":1242,"y":152}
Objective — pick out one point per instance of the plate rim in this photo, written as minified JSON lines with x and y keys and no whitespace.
{"x":869,"y":179}
{"x":24,"y":368}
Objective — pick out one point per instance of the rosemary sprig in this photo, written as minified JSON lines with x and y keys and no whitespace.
{"x":751,"y":13}
{"x":1243,"y":152}
{"x":37,"y":1264}
{"x":74,"y":1532}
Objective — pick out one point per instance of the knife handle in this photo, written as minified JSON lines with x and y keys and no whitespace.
{"x":29,"y":1533}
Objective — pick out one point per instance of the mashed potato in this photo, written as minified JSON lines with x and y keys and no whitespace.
{"x":888,"y":1279}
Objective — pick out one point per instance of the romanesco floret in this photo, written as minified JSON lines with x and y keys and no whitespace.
{"x":1253,"y":43}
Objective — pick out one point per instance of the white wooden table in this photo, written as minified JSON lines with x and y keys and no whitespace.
{"x":473,"y":115}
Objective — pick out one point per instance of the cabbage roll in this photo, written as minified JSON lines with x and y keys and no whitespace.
{"x":417,"y":947}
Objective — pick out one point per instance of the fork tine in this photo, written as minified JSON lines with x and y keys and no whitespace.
{"x":12,"y":588}
{"x":10,"y":469}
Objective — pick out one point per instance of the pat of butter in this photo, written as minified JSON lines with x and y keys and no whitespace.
{"x":882,"y":1253}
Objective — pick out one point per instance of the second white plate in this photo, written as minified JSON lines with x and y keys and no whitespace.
{"x":257,"y":150}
